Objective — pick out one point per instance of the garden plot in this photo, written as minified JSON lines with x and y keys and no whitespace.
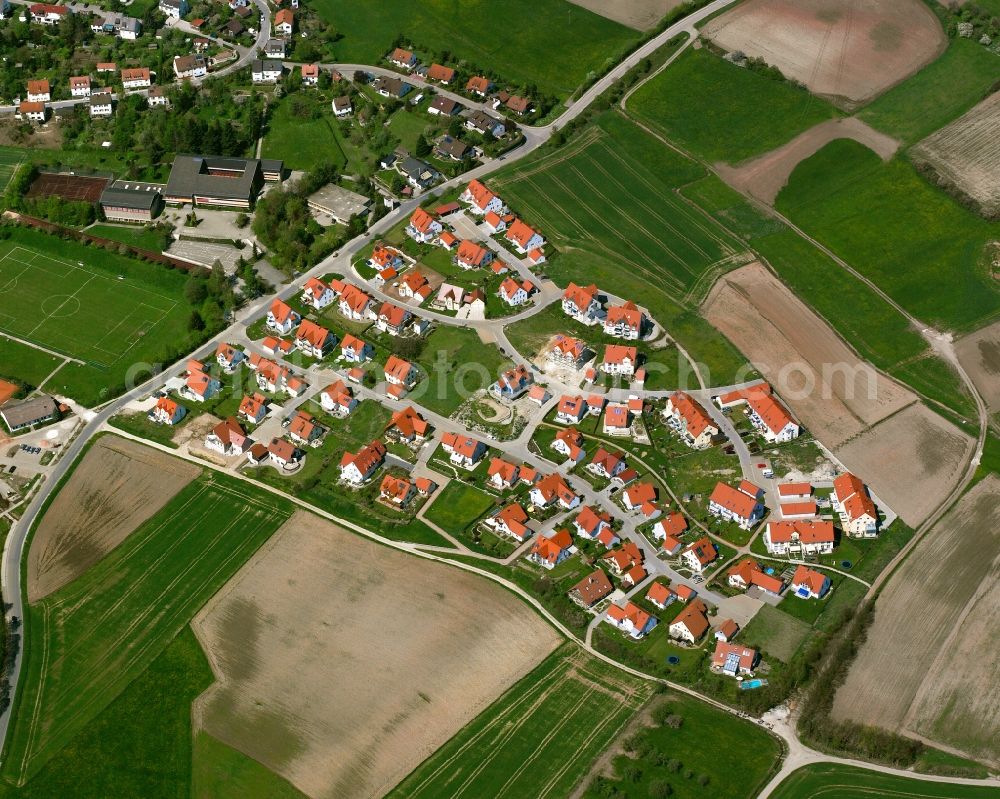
{"x":342,"y":665}
{"x":846,"y":50}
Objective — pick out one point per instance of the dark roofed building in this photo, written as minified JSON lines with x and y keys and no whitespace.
{"x":125,"y":203}
{"x":391,"y":87}
{"x":418,"y":174}
{"x":215,"y":180}
{"x":452,"y":148}
{"x":19,"y":415}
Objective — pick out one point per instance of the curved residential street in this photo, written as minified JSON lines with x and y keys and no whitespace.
{"x":518,"y":449}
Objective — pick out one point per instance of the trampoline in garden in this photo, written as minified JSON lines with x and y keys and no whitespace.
{"x":846,"y":564}
{"x":673,"y":660}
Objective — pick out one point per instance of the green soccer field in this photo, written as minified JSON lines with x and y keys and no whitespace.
{"x":101,"y":311}
{"x":89,"y":640}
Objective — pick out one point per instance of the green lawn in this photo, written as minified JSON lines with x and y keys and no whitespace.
{"x":913,"y":241}
{"x":68,"y":297}
{"x":722,"y":112}
{"x":530,"y":50}
{"x":775,"y":633}
{"x":221,"y":772}
{"x":25,"y":363}
{"x":140,"y":744}
{"x":457,"y":506}
{"x":940,"y":92}
{"x":138,"y":236}
{"x":303,"y":142}
{"x":711,"y":754}
{"x":457,"y":364}
{"x":830,"y":781}
{"x":539,"y":738}
{"x":90,"y":639}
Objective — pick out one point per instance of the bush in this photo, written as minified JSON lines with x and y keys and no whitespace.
{"x":660,"y":789}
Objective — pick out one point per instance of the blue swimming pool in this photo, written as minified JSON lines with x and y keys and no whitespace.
{"x":749,"y":685}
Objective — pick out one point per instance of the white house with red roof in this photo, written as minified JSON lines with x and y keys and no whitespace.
{"x":590,"y":521}
{"x":303,"y":429}
{"x":799,"y":537}
{"x":502,"y":475}
{"x":354,"y":303}
{"x":229,"y":357}
{"x":770,"y":418}
{"x":392,"y":319}
{"x":356,"y":468}
{"x":354,"y":350}
{"x":281,"y":318}
{"x":228,"y":438}
{"x":733,"y":659}
{"x":858,"y":514}
{"x":631,"y":620}
{"x":554,"y":488}
{"x":470,"y":255}
{"x":617,"y":419}
{"x":549,"y":551}
{"x":741,"y":505}
{"x":314,"y":340}
{"x":620,"y":359}
{"x":606,"y":464}
{"x":481,"y":200}
{"x":253,"y":408}
{"x":571,"y":410}
{"x":691,"y":422}
{"x":514,"y":293}
{"x":700,"y":554}
{"x":624,"y":321}
{"x":673,"y":524}
{"x":463,"y":450}
{"x":660,"y":595}
{"x":317,"y":294}
{"x":198,"y":384}
{"x":511,"y":521}
{"x":809,"y":584}
{"x":749,"y":574}
{"x":569,"y":444}
{"x":638,"y":495}
{"x":691,"y":623}
{"x":582,"y":303}
{"x":423,"y":227}
{"x":407,"y":425}
{"x":568,"y":352}
{"x":404,"y":59}
{"x":523,"y":238}
{"x":167,"y":411}
{"x":338,"y":399}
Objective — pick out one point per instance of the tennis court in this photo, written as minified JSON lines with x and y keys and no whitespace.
{"x":73,"y":309}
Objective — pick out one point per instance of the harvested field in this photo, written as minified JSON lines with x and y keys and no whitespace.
{"x":68,"y":187}
{"x":342,"y":665}
{"x":845,"y":50}
{"x":966,"y":153}
{"x":765,"y":176}
{"x":979,"y":353}
{"x":935,"y":624}
{"x":638,"y":14}
{"x":912,"y":460}
{"x":117,"y":486}
{"x":795,"y":349}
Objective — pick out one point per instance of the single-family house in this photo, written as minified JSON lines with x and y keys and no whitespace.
{"x":624,"y":321}
{"x":167,"y":411}
{"x":512,"y":383}
{"x":523,"y":237}
{"x":549,"y":551}
{"x":741,"y":505}
{"x":39,"y":91}
{"x":483,"y":124}
{"x":463,"y":450}
{"x":606,"y":464}
{"x":253,"y":408}
{"x":314,"y":340}
{"x":407,"y":425}
{"x":174,"y":9}
{"x":229,"y":357}
{"x":631,"y":619}
{"x":397,"y":491}
{"x":354,"y":350}
{"x":571,"y":410}
{"x":749,"y":574}
{"x":733,"y":659}
{"x":619,"y":359}
{"x":283,"y":454}
{"x":691,"y":422}
{"x":617,"y":419}
{"x":423,"y":226}
{"x":404,"y":59}
{"x":190,"y":66}
{"x":569,"y":443}
{"x":317,"y":294}
{"x":553,"y":488}
{"x":441,"y":74}
{"x":337,"y":399}
{"x":284,"y":22}
{"x":511,"y":521}
{"x":479,"y":85}
{"x":136,"y":78}
{"x":691,"y":623}
{"x":590,"y":521}
{"x":700,"y":554}
{"x":660,"y":595}
{"x":392,"y":319}
{"x":591,"y":589}
{"x":100,"y":106}
{"x":514,"y":293}
{"x":400,"y":373}
{"x":582,"y":303}
{"x":770,"y":418}
{"x":79,"y":86}
{"x":354,"y":303}
{"x":851,"y":500}
{"x":356,"y":468}
{"x":809,"y":584}
{"x":502,"y":475}
{"x":726,"y":630}
{"x":281,"y":318}
{"x":310,"y":75}
{"x":471,"y":256}
{"x":637,"y":495}
{"x":228,"y":438}
{"x":481,"y":199}
{"x":444,"y":106}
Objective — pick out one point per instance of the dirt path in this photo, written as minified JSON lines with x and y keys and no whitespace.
{"x":766,"y":175}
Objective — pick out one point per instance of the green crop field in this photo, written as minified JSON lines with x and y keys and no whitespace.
{"x":829,"y":781}
{"x":919,"y":246}
{"x":539,"y":738}
{"x":149,"y":723}
{"x":722,"y":112}
{"x":608,"y":201}
{"x":528,"y":45}
{"x":89,"y":640}
{"x":9,"y":162}
{"x":103,"y":310}
{"x":940,"y":92}
{"x":458,"y":506}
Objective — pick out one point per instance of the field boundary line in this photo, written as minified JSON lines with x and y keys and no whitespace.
{"x":42,"y":348}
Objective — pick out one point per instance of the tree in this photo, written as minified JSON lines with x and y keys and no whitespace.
{"x":196,"y":289}
{"x":195,"y":322}
{"x":660,"y":789}
{"x":423,"y":147}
